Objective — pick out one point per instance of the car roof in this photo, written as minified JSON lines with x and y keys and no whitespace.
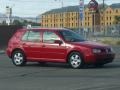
{"x":51,"y":29}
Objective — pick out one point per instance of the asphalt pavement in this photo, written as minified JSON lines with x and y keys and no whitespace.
{"x":54,"y":76}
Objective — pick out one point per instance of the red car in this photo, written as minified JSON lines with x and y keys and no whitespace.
{"x":56,"y":45}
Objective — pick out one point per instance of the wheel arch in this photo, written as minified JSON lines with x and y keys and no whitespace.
{"x":17,"y":49}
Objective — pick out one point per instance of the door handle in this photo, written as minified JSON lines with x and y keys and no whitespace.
{"x":43,"y":45}
{"x":26,"y":45}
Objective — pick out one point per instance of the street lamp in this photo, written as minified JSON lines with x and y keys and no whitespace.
{"x":8,"y":14}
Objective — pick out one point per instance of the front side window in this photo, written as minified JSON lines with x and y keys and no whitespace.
{"x":32,"y":36}
{"x":71,"y":36}
{"x":50,"y":37}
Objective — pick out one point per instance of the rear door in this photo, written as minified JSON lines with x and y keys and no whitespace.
{"x":32,"y":44}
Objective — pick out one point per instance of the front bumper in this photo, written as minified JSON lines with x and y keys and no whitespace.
{"x":99,"y":58}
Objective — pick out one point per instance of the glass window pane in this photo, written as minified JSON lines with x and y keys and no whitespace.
{"x":24,"y":38}
{"x":34,"y":36}
{"x":50,"y":37}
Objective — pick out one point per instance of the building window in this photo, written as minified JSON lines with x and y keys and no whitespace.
{"x":88,"y":18}
{"x":116,"y":11}
{"x":101,"y":18}
{"x":88,"y":23}
{"x":72,"y":19}
{"x":76,"y":18}
{"x":110,"y":23}
{"x":110,"y":18}
{"x":107,"y":18}
{"x":76,"y":24}
{"x":72,"y":24}
{"x":110,"y":12}
{"x":72,"y":14}
{"x":107,"y":23}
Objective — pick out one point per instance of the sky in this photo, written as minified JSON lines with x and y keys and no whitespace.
{"x":33,"y":8}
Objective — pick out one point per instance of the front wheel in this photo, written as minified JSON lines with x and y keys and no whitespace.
{"x":75,"y":60}
{"x":18,"y":58}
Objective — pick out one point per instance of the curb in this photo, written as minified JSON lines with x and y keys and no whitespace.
{"x":2,"y":52}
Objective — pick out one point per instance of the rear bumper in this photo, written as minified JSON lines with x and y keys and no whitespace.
{"x":100,"y":58}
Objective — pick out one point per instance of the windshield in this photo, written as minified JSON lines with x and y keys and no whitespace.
{"x":71,"y":36}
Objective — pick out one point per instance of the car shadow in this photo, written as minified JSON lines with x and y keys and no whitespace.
{"x":66,"y":66}
{"x":49,"y":65}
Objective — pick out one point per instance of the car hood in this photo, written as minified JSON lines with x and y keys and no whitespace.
{"x":91,"y":44}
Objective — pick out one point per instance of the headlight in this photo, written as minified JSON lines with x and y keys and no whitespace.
{"x":97,"y":51}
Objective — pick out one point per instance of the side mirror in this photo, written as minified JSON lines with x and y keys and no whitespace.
{"x":58,"y":42}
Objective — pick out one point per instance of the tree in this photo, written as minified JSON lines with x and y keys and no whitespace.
{"x":117,"y":19}
{"x":3,"y":23}
{"x":17,"y":22}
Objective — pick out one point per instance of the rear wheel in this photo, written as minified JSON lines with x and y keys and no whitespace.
{"x":18,"y":58}
{"x":75,"y":60}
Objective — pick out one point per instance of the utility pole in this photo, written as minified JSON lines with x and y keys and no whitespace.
{"x":81,"y":16}
{"x":93,"y":7}
{"x":103,"y":4}
{"x":104,"y":16}
{"x":62,"y":14}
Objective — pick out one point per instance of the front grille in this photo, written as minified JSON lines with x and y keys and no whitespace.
{"x":106,"y":50}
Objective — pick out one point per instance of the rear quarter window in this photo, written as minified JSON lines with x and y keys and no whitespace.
{"x":24,"y":38}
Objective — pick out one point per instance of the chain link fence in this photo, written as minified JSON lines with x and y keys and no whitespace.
{"x":100,"y":31}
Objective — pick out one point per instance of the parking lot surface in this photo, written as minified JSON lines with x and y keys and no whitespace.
{"x":58,"y":76}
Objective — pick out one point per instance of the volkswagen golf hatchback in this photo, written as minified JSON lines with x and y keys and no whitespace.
{"x":56,"y":45}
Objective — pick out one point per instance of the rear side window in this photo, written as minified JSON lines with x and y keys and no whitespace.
{"x":24,"y":38}
{"x":32,"y":36}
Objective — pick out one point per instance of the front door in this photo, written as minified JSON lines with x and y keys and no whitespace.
{"x":53,"y":51}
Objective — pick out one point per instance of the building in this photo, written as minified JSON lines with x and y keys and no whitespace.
{"x":68,"y":17}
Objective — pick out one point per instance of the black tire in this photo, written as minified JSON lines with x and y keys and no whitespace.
{"x":75,"y":60}
{"x":18,"y":58}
